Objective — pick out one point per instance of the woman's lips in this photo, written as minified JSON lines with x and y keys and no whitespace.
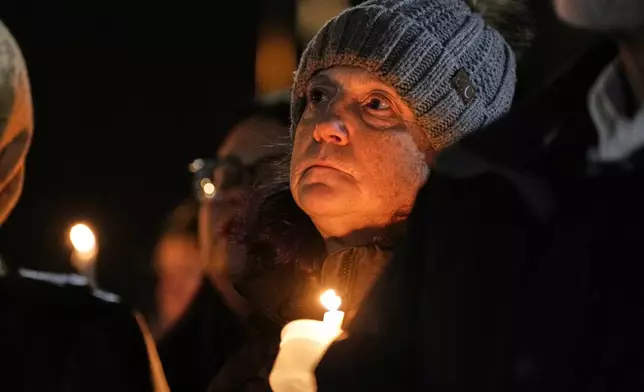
{"x":318,"y":170}
{"x":322,"y":167}
{"x":322,"y":173}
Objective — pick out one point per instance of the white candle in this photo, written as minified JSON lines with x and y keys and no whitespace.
{"x":333,"y":317}
{"x":303,"y":344}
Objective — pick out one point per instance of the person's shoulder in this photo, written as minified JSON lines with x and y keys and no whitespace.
{"x":249,"y":368}
{"x":38,"y":295}
{"x":70,"y":334}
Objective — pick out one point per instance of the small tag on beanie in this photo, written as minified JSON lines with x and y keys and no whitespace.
{"x":463,"y":86}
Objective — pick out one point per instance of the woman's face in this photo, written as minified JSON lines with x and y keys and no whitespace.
{"x":359,"y":157}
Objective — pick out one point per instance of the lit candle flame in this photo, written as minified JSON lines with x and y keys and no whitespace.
{"x":82,"y":238}
{"x":330,"y":300}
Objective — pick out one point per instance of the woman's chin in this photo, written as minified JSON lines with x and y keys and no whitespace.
{"x":324,"y":199}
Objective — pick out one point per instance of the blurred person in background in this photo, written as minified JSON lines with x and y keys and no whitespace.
{"x":198,"y":322}
{"x":522,"y":263}
{"x":251,"y":156}
{"x":55,"y":334}
{"x":379,"y":90}
{"x":194,"y":329}
{"x":179,"y":271}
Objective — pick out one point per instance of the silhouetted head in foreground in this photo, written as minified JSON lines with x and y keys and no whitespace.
{"x":16,"y":127}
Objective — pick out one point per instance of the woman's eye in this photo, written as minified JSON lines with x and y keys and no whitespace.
{"x":376,"y":103}
{"x":317,"y":96}
{"x":379,"y":106}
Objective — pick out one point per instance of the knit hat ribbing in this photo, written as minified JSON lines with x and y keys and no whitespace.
{"x":454,"y":72}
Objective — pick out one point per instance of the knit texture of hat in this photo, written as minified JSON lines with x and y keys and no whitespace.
{"x":456,"y":73}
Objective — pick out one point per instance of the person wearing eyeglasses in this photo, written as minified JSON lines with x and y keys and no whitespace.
{"x":250,"y":154}
{"x":199,"y":318}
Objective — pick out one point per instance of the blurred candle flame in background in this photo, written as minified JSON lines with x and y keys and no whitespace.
{"x":82,"y":238}
{"x":85,"y":250}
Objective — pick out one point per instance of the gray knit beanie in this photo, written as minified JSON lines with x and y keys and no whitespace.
{"x":455,"y":73}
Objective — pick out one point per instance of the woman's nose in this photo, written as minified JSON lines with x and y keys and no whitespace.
{"x":331,"y":131}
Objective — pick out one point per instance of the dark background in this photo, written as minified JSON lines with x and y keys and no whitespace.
{"x":126,"y":94}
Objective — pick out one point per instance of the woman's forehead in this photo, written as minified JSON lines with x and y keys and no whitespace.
{"x":351,"y":78}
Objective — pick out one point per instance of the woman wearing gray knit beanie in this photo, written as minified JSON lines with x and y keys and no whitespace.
{"x":379,"y":90}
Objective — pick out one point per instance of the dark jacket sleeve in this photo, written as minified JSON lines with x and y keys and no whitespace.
{"x":248,"y":370}
{"x":198,"y":345}
{"x":109,"y":354}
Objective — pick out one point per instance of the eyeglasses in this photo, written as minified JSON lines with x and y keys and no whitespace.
{"x":213,"y":175}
